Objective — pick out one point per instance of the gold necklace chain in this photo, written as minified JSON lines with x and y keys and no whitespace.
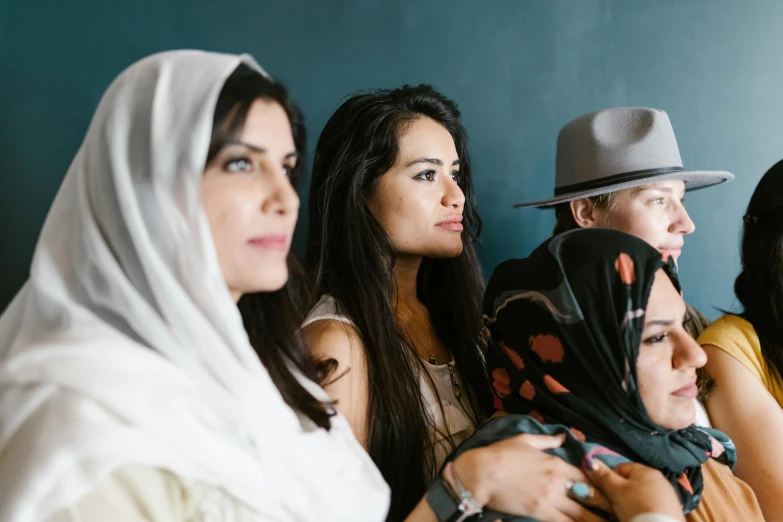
{"x":456,"y":389}
{"x":429,"y":345}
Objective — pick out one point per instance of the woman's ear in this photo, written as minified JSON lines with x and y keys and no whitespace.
{"x":584,"y":212}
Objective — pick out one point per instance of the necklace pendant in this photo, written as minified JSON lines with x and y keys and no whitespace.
{"x":456,"y":389}
{"x":432,"y":360}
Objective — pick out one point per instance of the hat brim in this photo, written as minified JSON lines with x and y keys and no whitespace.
{"x":694,"y":179}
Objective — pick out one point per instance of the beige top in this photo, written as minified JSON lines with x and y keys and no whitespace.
{"x":453,"y":422}
{"x":142,"y":494}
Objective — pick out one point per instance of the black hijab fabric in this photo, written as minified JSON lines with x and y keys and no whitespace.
{"x":565,"y":326}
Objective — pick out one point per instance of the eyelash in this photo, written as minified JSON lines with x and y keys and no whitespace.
{"x":229,"y":163}
{"x":656,"y":338}
{"x":663,"y":200}
{"x":429,"y":175}
{"x":227,"y":166}
{"x":660,"y":337}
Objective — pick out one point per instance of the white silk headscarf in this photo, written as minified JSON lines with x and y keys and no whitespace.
{"x":124,"y":347}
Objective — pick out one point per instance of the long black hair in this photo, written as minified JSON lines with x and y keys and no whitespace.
{"x":272,"y":319}
{"x":350,"y":257}
{"x":759,"y":287}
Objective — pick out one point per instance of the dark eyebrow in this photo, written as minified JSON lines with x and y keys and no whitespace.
{"x":259,"y":150}
{"x":254,"y":148}
{"x":433,"y":161}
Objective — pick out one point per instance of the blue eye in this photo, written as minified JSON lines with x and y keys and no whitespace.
{"x":238,"y":165}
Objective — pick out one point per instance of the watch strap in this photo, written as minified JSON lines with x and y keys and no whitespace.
{"x":447,"y":506}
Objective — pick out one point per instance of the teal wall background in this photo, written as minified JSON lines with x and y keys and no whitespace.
{"x":519,"y":69}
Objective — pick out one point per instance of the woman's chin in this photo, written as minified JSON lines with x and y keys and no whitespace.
{"x":678,"y":420}
{"x":445,"y":251}
{"x":272,"y":281}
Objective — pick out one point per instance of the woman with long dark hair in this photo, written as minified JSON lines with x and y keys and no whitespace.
{"x":745,"y":350}
{"x":393,"y":223}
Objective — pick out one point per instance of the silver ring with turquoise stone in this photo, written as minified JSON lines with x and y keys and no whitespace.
{"x":579,"y":491}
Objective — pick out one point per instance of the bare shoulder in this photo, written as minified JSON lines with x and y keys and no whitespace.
{"x":334,"y":339}
{"x":340,"y":342}
{"x":347,"y":381}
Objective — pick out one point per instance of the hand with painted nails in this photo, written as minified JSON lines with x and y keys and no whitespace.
{"x":515,"y":476}
{"x":634,"y":489}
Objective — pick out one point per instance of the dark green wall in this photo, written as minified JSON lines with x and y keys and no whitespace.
{"x":519,"y":69}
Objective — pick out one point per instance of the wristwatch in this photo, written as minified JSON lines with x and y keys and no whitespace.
{"x":450,"y":506}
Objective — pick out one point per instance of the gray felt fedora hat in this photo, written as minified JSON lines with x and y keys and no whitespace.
{"x":619,"y":148}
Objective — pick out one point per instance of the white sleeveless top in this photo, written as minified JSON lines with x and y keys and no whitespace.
{"x":452,"y":421}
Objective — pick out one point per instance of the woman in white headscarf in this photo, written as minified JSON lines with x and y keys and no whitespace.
{"x":129,"y":389}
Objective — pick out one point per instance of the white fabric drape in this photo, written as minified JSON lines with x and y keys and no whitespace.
{"x":125,"y":347}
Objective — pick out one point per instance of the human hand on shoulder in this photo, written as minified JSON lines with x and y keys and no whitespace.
{"x":634,"y":489}
{"x":515,"y":476}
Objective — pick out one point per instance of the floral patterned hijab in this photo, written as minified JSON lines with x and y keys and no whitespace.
{"x":566,"y":325}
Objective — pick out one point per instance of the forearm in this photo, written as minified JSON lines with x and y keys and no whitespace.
{"x":422,"y":513}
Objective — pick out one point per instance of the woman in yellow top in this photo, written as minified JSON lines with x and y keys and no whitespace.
{"x":745,"y":351}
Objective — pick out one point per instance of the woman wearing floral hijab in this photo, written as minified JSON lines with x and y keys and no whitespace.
{"x":588,"y":341}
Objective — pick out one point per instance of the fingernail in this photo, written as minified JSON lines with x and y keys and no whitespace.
{"x":591,"y":465}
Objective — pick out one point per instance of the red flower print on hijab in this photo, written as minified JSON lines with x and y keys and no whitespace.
{"x":717,"y":448}
{"x":624,"y":266}
{"x":685,"y":483}
{"x":548,"y":347}
{"x":500,"y":382}
{"x":527,"y":390}
{"x":513,"y":356}
{"x":553,"y":385}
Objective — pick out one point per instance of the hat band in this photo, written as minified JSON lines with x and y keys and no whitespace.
{"x":615,"y":180}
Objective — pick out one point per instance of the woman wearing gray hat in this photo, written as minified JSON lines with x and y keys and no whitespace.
{"x":620,"y":168}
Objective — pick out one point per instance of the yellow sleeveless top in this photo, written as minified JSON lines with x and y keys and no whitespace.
{"x":737,"y":337}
